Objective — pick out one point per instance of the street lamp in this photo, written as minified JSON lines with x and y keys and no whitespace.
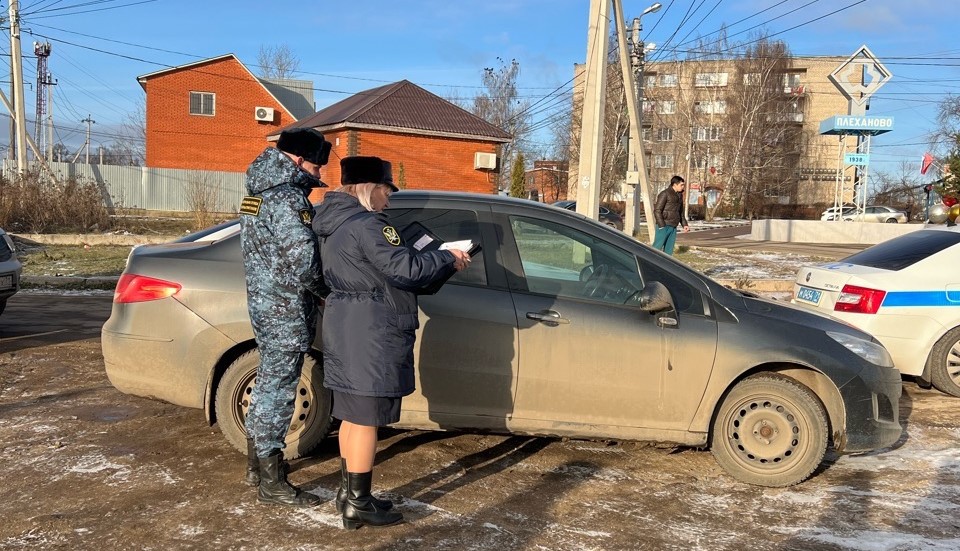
{"x":638,"y":57}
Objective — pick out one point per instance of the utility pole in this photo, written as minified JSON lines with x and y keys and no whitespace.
{"x":89,"y":121}
{"x":587,"y":191}
{"x":637,"y":60}
{"x":44,"y":80}
{"x":633,"y":110}
{"x":16,"y":64}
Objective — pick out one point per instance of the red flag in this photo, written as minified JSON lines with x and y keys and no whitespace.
{"x":927,"y":161}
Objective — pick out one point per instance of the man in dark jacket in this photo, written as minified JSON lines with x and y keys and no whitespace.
{"x":281,"y":262}
{"x":668,"y":212}
{"x":370,"y":322}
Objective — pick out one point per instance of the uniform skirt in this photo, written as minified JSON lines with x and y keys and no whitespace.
{"x":370,"y":411}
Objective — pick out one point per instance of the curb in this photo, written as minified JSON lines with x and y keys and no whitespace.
{"x":92,"y":239}
{"x":69,"y":282}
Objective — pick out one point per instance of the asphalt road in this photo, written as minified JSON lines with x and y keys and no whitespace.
{"x":87,"y":467}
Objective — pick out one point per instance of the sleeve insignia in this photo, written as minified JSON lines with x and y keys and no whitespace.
{"x":306,"y":215}
{"x":251,"y":205}
{"x":392,"y":236}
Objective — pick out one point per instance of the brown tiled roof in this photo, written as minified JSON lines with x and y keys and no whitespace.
{"x":403,"y":106}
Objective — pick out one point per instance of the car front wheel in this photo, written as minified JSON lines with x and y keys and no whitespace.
{"x":944,"y":363}
{"x":311,"y":414}
{"x":891,"y":221}
{"x":770,"y":431}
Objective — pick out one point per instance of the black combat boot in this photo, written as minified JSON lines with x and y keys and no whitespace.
{"x":274,"y":487}
{"x":382,"y":504}
{"x":253,"y":464}
{"x":360,"y":509}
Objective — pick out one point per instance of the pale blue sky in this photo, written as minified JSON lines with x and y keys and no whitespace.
{"x":443,"y":45}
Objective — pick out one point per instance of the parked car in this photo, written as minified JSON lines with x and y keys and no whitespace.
{"x":10,"y":269}
{"x":906,"y":292}
{"x":607,"y":216}
{"x":873,"y":213}
{"x":562,"y":326}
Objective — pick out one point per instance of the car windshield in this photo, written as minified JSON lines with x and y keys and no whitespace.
{"x":906,"y":250}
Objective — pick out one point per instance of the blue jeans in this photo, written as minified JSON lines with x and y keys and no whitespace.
{"x":664,"y":239}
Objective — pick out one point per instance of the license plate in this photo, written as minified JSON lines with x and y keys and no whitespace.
{"x":807,"y":294}
{"x":6,"y":282}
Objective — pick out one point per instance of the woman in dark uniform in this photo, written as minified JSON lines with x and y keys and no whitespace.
{"x":369,"y":323}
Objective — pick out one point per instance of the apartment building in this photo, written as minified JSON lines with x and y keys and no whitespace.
{"x":701,"y":118}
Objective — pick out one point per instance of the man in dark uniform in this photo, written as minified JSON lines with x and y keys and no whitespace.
{"x":281,"y":261}
{"x":668,"y":211}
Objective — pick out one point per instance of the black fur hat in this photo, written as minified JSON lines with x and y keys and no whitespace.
{"x":366,"y":170}
{"x":306,"y":143}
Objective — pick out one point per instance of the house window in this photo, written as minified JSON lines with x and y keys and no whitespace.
{"x":650,"y":81}
{"x":664,"y":134}
{"x":704,"y":161}
{"x":706,"y":134}
{"x":663,"y":161}
{"x":645,"y":134}
{"x":711,"y":107}
{"x":648,"y":105}
{"x":710,"y":79}
{"x":751,"y":79}
{"x":667,"y":80}
{"x":791,"y":82}
{"x":667,"y":107}
{"x":202,"y":103}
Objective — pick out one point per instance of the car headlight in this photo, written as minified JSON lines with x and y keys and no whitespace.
{"x":870,"y":351}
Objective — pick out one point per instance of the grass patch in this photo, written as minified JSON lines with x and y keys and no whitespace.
{"x":73,"y":260}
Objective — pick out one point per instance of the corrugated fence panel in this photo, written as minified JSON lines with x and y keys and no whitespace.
{"x":162,"y":189}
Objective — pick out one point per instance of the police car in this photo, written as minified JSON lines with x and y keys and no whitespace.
{"x":906,"y":292}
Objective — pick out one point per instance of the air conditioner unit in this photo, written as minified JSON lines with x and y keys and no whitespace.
{"x":263,"y":114}
{"x":486,"y":161}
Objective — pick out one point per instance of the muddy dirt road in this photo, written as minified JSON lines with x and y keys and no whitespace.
{"x":86,"y":467}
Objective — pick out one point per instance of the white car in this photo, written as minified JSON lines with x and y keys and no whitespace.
{"x":904,"y":291}
{"x":873,"y":213}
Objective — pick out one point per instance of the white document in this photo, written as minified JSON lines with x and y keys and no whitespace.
{"x":464,"y":245}
{"x":423,"y":242}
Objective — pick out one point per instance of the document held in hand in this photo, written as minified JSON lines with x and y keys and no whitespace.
{"x":419,"y":238}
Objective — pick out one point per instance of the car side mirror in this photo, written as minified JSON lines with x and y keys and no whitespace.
{"x":654,"y":297}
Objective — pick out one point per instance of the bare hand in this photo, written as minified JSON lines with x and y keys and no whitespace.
{"x":686,"y":229}
{"x":461,"y":259}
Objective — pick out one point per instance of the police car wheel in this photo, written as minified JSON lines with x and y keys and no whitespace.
{"x":944,"y":363}
{"x":770,"y":431}
{"x":311,"y":415}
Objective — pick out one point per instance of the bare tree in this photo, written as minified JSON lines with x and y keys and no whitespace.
{"x":203,"y":196}
{"x":277,"y":62}
{"x":500,"y":104}
{"x":901,"y":189}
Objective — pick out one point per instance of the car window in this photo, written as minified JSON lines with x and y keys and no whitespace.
{"x":906,"y":250}
{"x":561,"y":261}
{"x":448,"y":225}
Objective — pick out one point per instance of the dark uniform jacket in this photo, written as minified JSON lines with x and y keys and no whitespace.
{"x":280,"y":254}
{"x":370,"y":316}
{"x":668,"y":210}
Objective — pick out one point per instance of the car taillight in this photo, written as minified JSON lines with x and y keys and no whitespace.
{"x":138,"y":288}
{"x":859,"y":299}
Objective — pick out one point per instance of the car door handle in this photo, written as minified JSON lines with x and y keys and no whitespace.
{"x":548,"y":316}
{"x":666,"y":321}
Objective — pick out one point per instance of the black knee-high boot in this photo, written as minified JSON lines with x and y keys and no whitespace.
{"x":384,"y":504}
{"x":274,"y":487}
{"x":360,"y":509}
{"x":253,"y":464}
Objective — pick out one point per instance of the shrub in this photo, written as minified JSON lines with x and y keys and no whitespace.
{"x":35,"y":203}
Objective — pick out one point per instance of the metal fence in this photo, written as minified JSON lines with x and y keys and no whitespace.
{"x":160,"y":189}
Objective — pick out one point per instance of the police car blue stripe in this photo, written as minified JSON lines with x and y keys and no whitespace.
{"x":921,"y":298}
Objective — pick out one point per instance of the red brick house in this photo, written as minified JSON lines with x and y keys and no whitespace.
{"x":432,"y":143}
{"x":547,"y":181}
{"x":214,"y":114}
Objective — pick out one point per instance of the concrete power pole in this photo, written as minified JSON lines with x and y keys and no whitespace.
{"x":16,"y":64}
{"x":86,"y":144}
{"x":587,"y":190}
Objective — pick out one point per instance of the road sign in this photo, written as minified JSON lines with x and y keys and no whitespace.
{"x":859,"y":159}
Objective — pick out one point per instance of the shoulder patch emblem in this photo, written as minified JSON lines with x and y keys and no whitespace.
{"x":251,"y":205}
{"x":392,"y":236}
{"x":306,"y":215}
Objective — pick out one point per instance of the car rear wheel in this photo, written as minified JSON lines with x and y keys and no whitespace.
{"x":311,"y":414}
{"x":770,"y":431}
{"x":891,"y":220}
{"x":944,"y":362}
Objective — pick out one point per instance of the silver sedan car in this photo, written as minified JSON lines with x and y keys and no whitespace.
{"x":10,"y":269}
{"x":562,"y":326}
